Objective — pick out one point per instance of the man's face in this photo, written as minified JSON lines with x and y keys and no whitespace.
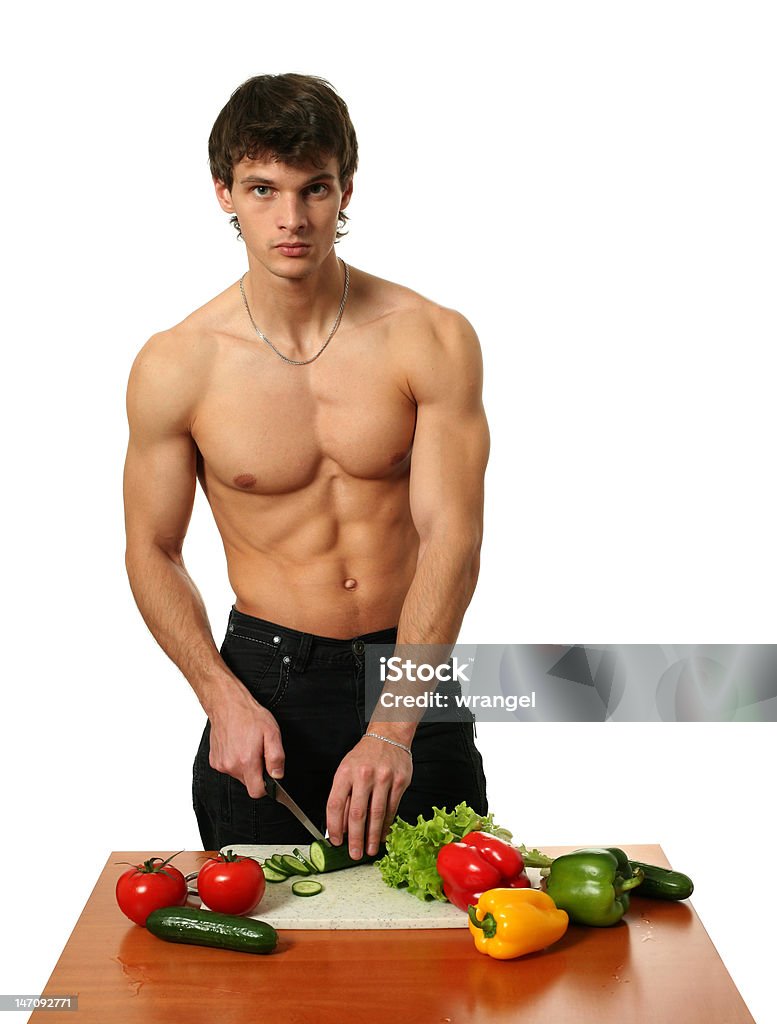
{"x":288,"y":215}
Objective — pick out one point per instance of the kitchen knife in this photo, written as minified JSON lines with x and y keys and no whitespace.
{"x":276,"y":792}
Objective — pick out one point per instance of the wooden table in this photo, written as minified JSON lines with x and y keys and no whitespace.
{"x":659,"y":966}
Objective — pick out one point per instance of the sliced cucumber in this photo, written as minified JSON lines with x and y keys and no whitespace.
{"x":275,"y":865}
{"x":272,"y":874}
{"x":306,"y":887}
{"x":301,"y":856}
{"x":325,"y":857}
{"x":294,"y":866}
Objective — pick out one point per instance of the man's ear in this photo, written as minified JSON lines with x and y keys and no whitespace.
{"x":224,"y":196}
{"x":347,"y":193}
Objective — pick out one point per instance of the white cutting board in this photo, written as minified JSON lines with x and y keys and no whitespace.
{"x":352,"y":898}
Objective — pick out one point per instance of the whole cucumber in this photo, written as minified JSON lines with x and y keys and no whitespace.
{"x":207,"y":928}
{"x":661,"y":883}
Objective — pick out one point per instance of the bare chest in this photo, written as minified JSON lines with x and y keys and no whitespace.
{"x":267,"y":427}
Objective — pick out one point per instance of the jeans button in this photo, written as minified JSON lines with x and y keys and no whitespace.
{"x":358,"y":647}
{"x":286,"y":659}
{"x":276,"y":639}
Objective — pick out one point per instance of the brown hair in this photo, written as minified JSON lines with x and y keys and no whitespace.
{"x":296,"y":119}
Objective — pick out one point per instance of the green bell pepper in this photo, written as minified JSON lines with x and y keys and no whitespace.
{"x":593,"y":885}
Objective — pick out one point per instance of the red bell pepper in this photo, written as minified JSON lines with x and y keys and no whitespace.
{"x":476,"y":864}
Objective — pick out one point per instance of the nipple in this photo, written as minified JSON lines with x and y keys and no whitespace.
{"x":245,"y":480}
{"x":350,"y":583}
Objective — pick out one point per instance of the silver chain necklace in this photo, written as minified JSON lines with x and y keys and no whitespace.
{"x":335,"y":325}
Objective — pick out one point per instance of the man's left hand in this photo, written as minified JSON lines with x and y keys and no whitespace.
{"x":365,"y":794}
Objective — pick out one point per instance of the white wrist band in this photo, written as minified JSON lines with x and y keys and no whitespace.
{"x":393,"y":743}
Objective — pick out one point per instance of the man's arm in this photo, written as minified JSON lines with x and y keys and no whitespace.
{"x":450,"y":452}
{"x":160,"y":479}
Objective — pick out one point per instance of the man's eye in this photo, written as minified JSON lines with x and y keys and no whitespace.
{"x":261,"y":190}
{"x":319,"y":189}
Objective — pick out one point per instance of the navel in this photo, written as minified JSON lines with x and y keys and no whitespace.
{"x":245,"y":480}
{"x":350,"y":583}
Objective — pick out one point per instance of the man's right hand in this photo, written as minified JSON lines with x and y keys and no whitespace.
{"x":244,"y":739}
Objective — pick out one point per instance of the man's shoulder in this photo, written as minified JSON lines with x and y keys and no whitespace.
{"x":187,"y":346}
{"x":170,"y":372}
{"x":409,"y":312}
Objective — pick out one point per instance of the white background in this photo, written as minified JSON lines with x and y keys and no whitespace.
{"x":592,"y":185}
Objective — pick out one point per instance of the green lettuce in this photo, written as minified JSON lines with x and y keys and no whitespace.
{"x":410,"y":861}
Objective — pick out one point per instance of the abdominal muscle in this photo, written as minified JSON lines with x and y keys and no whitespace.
{"x":335,"y":558}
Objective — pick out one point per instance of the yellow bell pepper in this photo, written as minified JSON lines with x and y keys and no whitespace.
{"x":507,"y":923}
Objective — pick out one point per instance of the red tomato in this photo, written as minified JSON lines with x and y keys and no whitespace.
{"x":149,"y":886}
{"x":230,"y":884}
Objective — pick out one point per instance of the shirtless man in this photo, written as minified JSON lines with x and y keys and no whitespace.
{"x":342,"y":451}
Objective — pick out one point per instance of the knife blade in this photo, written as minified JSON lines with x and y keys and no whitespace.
{"x":276,"y":792}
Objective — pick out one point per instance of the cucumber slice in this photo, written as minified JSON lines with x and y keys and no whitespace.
{"x":301,"y":856}
{"x":271,"y":874}
{"x":294,"y":866}
{"x":306,"y":887}
{"x":276,"y":862}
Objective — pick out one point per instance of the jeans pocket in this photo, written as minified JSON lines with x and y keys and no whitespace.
{"x":258,"y":665}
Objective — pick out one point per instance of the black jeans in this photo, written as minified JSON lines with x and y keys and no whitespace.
{"x":314,"y":686}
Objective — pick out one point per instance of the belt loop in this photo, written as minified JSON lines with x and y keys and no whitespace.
{"x":303,"y":652}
